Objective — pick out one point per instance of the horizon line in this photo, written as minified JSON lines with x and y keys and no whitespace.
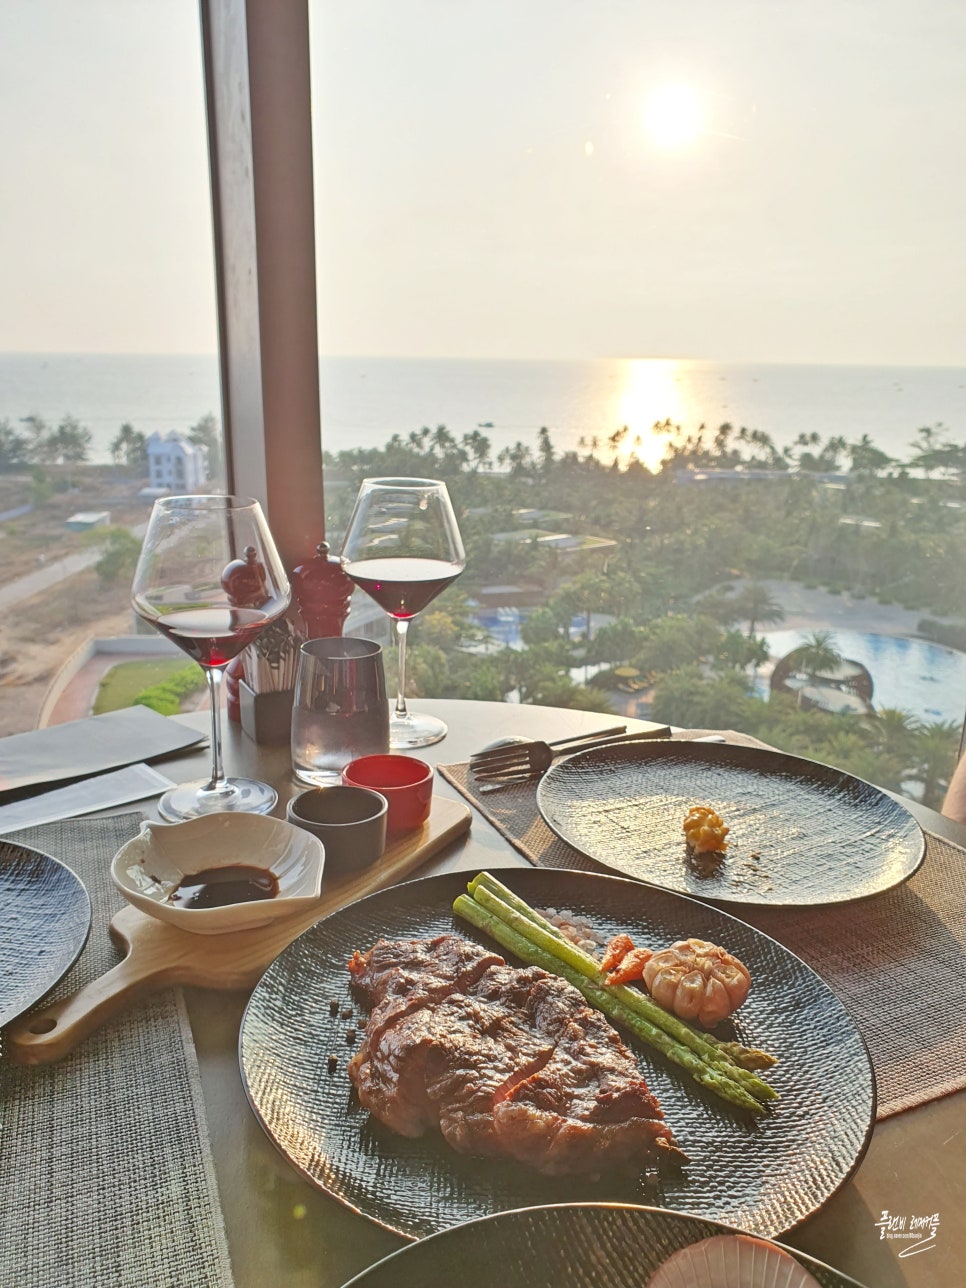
{"x":933,"y":365}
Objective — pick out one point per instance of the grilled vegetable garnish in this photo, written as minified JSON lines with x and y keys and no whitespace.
{"x":494,"y":909}
{"x":697,"y":981}
{"x":631,"y":966}
{"x":616,"y":951}
{"x":704,"y":831}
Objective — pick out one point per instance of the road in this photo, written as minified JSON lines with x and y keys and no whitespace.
{"x":46,"y":576}
{"x":49,"y":574}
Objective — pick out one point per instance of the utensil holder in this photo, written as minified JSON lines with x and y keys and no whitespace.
{"x":266,"y":718}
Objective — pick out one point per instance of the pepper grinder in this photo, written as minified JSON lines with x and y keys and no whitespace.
{"x":322,"y":592}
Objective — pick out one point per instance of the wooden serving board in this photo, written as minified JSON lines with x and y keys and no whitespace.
{"x":159,"y":955}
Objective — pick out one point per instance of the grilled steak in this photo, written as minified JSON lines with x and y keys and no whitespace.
{"x":503,"y":1061}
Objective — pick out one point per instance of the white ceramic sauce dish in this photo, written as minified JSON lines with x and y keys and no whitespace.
{"x":151,"y":867}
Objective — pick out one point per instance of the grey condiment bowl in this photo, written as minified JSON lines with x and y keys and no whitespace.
{"x":349,"y":821}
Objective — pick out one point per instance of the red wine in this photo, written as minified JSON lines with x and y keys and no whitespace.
{"x":402,"y":587}
{"x":212,"y":636}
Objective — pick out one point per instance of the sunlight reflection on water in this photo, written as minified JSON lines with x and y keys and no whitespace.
{"x":650,"y":394}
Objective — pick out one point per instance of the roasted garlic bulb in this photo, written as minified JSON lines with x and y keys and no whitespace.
{"x":704,"y":831}
{"x":697,"y":981}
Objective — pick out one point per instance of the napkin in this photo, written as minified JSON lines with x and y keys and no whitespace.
{"x":81,"y":748}
{"x":133,"y":783}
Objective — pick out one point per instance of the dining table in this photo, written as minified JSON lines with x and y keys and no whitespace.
{"x":281,"y":1229}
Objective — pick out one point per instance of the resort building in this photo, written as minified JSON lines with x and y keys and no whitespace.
{"x":175,"y":464}
{"x":564,"y":543}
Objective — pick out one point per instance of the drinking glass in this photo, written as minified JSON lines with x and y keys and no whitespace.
{"x":402,"y":547}
{"x":341,"y":707}
{"x":210,"y":579}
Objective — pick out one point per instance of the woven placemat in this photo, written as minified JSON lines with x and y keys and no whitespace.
{"x":896,"y":961}
{"x":106,"y":1174}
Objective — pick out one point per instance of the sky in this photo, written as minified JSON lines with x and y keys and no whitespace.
{"x":492,"y":181}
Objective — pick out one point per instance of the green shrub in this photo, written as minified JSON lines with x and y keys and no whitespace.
{"x":167,"y":695}
{"x":123,"y":685}
{"x":164,"y":703}
{"x":952,"y":635}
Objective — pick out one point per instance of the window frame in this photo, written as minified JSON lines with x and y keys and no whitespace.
{"x":258,"y":107}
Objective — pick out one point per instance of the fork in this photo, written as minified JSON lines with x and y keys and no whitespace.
{"x":522,"y":761}
{"x":512,"y":747}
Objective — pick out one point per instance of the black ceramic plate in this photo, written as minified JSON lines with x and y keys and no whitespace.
{"x":45,"y":918}
{"x":764,"y":1176}
{"x":801,"y":833}
{"x":583,"y":1245}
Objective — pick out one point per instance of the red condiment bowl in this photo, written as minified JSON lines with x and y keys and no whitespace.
{"x":406,"y":783}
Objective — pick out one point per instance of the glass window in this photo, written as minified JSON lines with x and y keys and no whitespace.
{"x":108,"y":338}
{"x":672,"y":297}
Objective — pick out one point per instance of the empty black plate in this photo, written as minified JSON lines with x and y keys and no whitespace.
{"x":765,"y":1175}
{"x":801,"y":833}
{"x":45,"y":918}
{"x":584,"y":1245}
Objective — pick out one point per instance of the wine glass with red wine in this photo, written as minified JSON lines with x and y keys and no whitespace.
{"x":210,"y":579}
{"x":402,"y":547}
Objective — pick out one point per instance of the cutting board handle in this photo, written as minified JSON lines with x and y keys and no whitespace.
{"x":53,"y":1032}
{"x":159,"y":955}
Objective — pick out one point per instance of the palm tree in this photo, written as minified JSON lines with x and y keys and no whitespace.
{"x":130,"y":446}
{"x":40,"y":449}
{"x":442,"y":441}
{"x":894,"y":733}
{"x":206,"y":433}
{"x":758,"y":607}
{"x":818,"y":655}
{"x":69,"y":444}
{"x":478,"y":446}
{"x":866,"y":457}
{"x":722,"y":438}
{"x":935,"y":751}
{"x":518,"y":458}
{"x":545,"y":448}
{"x":831,"y":453}
{"x":739,"y":652}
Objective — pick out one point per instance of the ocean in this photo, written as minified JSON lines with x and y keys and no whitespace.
{"x":366,"y":400}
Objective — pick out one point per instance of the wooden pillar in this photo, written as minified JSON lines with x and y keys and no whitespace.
{"x":256,"y":57}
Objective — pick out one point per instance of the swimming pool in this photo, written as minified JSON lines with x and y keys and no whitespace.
{"x":912,"y":675}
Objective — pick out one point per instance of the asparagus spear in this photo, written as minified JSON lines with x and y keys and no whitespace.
{"x":747,"y":1057}
{"x":530,"y":952}
{"x":497,"y":899}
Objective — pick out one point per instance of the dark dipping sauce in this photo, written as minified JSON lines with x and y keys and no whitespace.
{"x":216,"y":887}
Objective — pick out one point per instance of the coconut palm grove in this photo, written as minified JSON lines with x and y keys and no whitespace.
{"x":653,"y":602}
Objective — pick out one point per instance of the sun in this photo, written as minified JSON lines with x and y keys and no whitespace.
{"x":673,"y":116}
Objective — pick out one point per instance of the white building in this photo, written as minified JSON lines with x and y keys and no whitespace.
{"x":175,"y":464}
